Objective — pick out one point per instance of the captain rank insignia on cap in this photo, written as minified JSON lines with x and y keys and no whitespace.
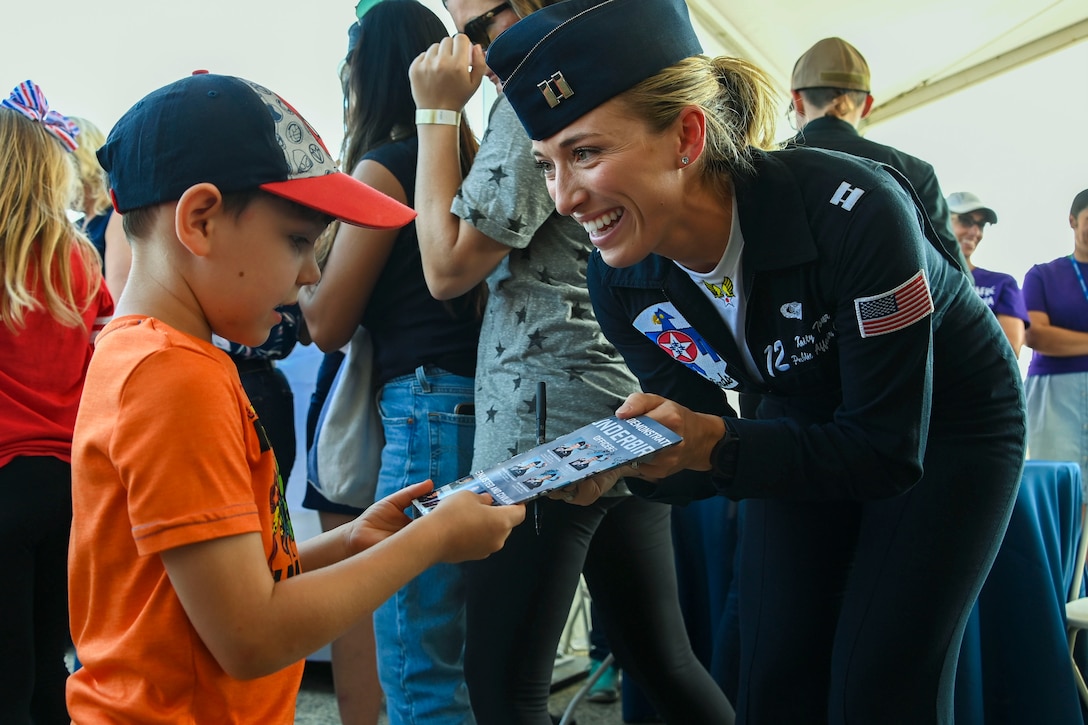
{"x":565,"y":91}
{"x":600,"y":47}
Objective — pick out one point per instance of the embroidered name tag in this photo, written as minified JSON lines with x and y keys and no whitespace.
{"x":668,"y":329}
{"x":895,"y":309}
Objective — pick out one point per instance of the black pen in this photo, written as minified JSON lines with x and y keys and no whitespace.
{"x":541,"y":426}
{"x":541,"y":412}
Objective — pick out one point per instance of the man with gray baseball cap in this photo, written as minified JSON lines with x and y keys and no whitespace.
{"x":965,"y":202}
{"x":830,"y":89}
{"x":998,"y":290}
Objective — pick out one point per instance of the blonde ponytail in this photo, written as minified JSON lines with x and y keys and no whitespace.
{"x":736,"y":96}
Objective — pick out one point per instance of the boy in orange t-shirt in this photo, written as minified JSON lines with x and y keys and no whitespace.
{"x":190,"y":600}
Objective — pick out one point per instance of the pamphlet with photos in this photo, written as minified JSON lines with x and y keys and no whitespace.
{"x":592,"y":449}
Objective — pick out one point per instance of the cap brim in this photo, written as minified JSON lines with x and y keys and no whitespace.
{"x":345,"y":198}
{"x":990,"y":214}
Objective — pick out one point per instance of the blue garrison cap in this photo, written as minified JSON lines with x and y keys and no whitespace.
{"x":561,"y":62}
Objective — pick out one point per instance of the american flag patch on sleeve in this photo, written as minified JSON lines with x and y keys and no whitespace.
{"x":895,"y":309}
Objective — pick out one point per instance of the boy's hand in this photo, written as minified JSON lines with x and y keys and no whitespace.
{"x":441,"y":76}
{"x":385,"y":517}
{"x":470,"y":527}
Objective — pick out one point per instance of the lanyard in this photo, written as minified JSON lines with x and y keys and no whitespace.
{"x":1076,"y":268}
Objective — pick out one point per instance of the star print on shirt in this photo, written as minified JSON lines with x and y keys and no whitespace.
{"x":515,"y":225}
{"x":517,"y":382}
{"x":531,"y":404}
{"x":544,"y":276}
{"x":537,"y":339}
{"x":497,"y":175}
{"x":582,"y":254}
{"x":499,"y":350}
{"x":577,"y":312}
{"x":475,"y":215}
{"x":574,"y":374}
{"x":521,"y":315}
{"x":491,"y":412}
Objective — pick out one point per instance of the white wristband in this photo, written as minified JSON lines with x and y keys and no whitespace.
{"x":439,"y":116}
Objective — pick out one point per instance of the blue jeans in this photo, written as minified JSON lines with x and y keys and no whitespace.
{"x":420,"y":631}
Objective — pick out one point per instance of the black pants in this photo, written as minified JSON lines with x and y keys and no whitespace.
{"x":519,"y":597}
{"x":853,"y":612}
{"x":35,"y":523}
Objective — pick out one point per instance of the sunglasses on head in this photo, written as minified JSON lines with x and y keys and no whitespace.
{"x":969,"y":221}
{"x":476,"y":29}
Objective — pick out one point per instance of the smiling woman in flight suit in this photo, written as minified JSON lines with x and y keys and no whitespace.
{"x":878,"y":473}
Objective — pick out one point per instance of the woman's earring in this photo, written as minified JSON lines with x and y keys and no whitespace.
{"x":684,"y":161}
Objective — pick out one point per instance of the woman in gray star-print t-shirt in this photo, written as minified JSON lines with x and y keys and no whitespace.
{"x":539,"y":326}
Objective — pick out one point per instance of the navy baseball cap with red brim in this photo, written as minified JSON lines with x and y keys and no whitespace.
{"x":238,"y":135}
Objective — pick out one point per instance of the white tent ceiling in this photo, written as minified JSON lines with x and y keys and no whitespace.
{"x":918,"y":51}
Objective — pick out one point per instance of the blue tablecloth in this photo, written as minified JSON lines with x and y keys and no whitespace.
{"x":1014,"y":664}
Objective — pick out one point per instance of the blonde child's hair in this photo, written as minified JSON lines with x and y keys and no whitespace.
{"x":91,"y":174}
{"x":37,"y":239}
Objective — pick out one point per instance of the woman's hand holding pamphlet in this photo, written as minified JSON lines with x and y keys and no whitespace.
{"x":592,"y":449}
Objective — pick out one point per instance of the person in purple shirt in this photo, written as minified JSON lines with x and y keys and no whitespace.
{"x":1057,"y":384}
{"x":998,"y":290}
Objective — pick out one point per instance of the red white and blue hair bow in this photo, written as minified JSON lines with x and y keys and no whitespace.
{"x":28,"y":99}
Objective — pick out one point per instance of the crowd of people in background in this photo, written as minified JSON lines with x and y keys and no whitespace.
{"x":641,"y":246}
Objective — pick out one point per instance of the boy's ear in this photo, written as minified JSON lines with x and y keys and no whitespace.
{"x":195,"y":216}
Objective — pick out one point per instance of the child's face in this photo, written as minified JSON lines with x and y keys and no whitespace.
{"x":260,"y":259}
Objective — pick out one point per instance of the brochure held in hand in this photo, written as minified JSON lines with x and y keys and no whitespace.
{"x":594,"y":448}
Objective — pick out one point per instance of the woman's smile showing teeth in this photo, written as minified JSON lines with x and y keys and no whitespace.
{"x":596,"y":226}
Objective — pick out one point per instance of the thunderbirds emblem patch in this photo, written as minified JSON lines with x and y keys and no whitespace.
{"x":667,"y":329}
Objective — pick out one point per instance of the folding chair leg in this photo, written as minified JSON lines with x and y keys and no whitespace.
{"x":568,"y":714}
{"x":1081,"y":686}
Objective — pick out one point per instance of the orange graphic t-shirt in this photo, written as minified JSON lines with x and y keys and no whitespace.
{"x":167,"y":452}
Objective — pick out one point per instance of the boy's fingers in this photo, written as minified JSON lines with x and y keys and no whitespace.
{"x":517,"y":513}
{"x":403,"y":498}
